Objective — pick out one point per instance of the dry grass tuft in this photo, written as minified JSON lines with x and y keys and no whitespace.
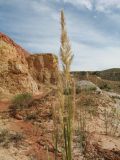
{"x":63,"y":113}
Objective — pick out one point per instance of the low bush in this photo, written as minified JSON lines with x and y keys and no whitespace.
{"x":31,"y":116}
{"x":20,"y":102}
{"x":105,"y":86}
{"x":6,"y":138}
{"x":87,"y":89}
{"x":16,"y":138}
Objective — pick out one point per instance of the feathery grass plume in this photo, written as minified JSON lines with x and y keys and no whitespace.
{"x":64,"y":111}
{"x":65,"y":50}
{"x":66,"y":59}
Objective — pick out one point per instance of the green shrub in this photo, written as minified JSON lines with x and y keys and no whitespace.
{"x":20,"y":102}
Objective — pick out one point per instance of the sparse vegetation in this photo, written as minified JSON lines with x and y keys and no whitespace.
{"x":31,"y":116}
{"x":82,"y":128}
{"x":112,"y":121}
{"x":105,"y":86}
{"x":7,"y":137}
{"x":86,"y":102}
{"x":20,"y":102}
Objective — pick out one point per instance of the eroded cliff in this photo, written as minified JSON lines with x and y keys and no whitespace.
{"x":21,"y":71}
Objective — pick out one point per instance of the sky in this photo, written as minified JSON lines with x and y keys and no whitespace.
{"x":93,"y":28}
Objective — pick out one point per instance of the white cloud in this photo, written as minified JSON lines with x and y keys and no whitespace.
{"x":80,"y":3}
{"x":107,"y":5}
{"x":44,"y":7}
{"x":40,"y":8}
{"x":100,"y":5}
{"x":84,"y":30}
{"x":56,"y":16}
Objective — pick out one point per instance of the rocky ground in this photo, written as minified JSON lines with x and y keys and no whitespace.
{"x":33,"y":134}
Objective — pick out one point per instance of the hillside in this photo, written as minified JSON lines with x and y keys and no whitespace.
{"x":112,"y":74}
{"x":21,"y":71}
{"x":108,"y":80}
